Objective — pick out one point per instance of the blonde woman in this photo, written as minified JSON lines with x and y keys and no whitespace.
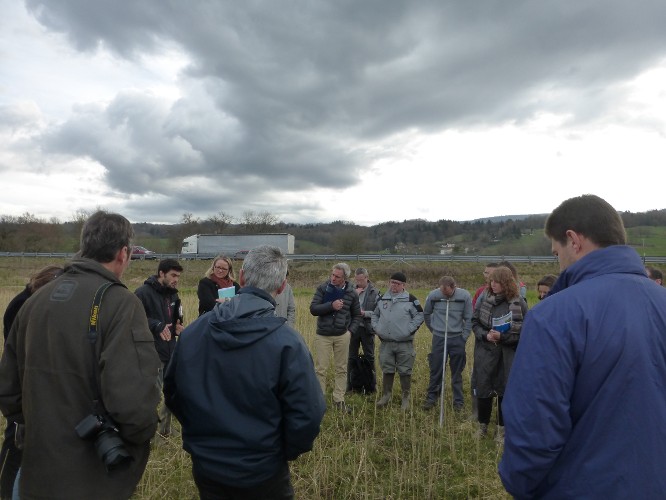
{"x":219,"y":275}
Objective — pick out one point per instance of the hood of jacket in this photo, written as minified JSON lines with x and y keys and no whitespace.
{"x":610,"y":260}
{"x":245,"y":319}
{"x":154,"y":282}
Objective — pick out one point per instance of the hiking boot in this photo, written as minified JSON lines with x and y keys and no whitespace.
{"x":429,"y":404}
{"x":482,"y":431}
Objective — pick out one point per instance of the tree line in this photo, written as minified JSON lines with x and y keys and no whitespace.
{"x":494,"y":236}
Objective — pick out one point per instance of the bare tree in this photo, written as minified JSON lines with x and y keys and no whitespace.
{"x":258,"y":222}
{"x":220,"y":221}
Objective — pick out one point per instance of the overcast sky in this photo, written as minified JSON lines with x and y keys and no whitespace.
{"x":365,"y":111}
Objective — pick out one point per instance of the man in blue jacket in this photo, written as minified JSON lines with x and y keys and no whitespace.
{"x":584,"y":408}
{"x":242,"y":384}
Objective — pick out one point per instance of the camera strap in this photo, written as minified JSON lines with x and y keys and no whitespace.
{"x":93,"y":333}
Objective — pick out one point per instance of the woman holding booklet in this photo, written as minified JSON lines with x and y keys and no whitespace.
{"x":218,"y":277}
{"x":496,"y":324}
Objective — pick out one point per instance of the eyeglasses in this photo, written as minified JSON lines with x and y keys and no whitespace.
{"x":218,"y":268}
{"x":394,"y":282}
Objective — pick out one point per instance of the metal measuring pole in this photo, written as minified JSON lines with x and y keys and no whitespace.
{"x":441,"y":395}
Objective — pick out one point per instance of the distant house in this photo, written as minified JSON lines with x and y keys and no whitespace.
{"x":447,"y":248}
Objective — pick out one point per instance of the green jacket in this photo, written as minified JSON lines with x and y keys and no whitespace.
{"x":46,"y":382}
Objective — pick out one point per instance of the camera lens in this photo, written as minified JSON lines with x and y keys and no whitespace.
{"x":111,"y":450}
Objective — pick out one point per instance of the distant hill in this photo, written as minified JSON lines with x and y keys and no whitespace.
{"x":504,"y":218}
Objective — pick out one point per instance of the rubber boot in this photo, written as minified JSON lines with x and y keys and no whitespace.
{"x":474,"y":417}
{"x":406,"y":386}
{"x":387,"y":388}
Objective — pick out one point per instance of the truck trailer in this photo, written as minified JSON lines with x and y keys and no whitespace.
{"x":232,"y":244}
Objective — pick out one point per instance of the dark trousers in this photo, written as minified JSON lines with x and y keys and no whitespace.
{"x":366,"y":341}
{"x":276,"y":488}
{"x":486,"y":408}
{"x":10,"y":461}
{"x":457,"y":359}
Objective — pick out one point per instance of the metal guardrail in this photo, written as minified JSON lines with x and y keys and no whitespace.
{"x":530,"y":259}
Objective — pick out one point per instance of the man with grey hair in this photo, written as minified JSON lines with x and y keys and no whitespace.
{"x":448,"y":315}
{"x":79,"y":353}
{"x":242,"y":384}
{"x":338,"y":311}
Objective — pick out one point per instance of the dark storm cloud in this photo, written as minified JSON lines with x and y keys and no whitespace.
{"x":288,"y":95}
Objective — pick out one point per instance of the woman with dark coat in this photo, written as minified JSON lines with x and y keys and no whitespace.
{"x":496,"y":324}
{"x":10,"y":456}
{"x":219,"y":275}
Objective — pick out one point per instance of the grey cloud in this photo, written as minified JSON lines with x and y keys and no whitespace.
{"x":286,"y":95}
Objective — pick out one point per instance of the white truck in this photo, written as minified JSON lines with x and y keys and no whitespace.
{"x":234,"y":245}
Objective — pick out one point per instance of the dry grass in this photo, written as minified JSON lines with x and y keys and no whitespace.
{"x":370,"y":454}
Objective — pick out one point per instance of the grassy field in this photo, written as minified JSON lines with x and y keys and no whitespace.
{"x":370,"y":454}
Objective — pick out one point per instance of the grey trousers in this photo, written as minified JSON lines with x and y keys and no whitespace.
{"x":457,"y":359}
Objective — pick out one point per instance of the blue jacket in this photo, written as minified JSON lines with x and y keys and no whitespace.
{"x":242,"y":384}
{"x":585,"y":406}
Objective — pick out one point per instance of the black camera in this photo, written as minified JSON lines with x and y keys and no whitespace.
{"x":109,"y":445}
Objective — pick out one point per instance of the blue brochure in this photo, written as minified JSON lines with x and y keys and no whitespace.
{"x":503,"y":323}
{"x":333,"y":293}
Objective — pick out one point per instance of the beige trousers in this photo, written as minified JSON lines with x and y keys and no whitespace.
{"x":339,"y":346}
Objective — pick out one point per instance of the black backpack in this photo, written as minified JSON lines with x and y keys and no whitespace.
{"x":362,"y":375}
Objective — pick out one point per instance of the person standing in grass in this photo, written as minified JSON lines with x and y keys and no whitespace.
{"x":219,"y":275}
{"x":243,"y":386}
{"x":397,"y":317}
{"x":448,"y":316}
{"x":160,"y":300}
{"x":585,"y":405}
{"x":497,"y":322}
{"x":285,"y":305}
{"x":338,"y":311}
{"x":364,"y":337}
{"x":545,"y":284}
{"x":10,"y":456}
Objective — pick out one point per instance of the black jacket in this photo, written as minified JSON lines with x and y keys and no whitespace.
{"x":162,"y":307}
{"x":13,"y":309}
{"x":207,"y":293}
{"x":243,"y":386}
{"x":331,"y":322}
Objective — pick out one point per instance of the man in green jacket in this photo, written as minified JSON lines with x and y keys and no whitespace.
{"x":51,"y":372}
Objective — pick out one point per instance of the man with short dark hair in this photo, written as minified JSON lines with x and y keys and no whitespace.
{"x":243,"y":386}
{"x":584,"y":407}
{"x":448,"y":315}
{"x":67,"y":360}
{"x":159,"y":297}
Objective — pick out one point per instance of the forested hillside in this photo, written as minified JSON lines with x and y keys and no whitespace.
{"x":522,"y":235}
